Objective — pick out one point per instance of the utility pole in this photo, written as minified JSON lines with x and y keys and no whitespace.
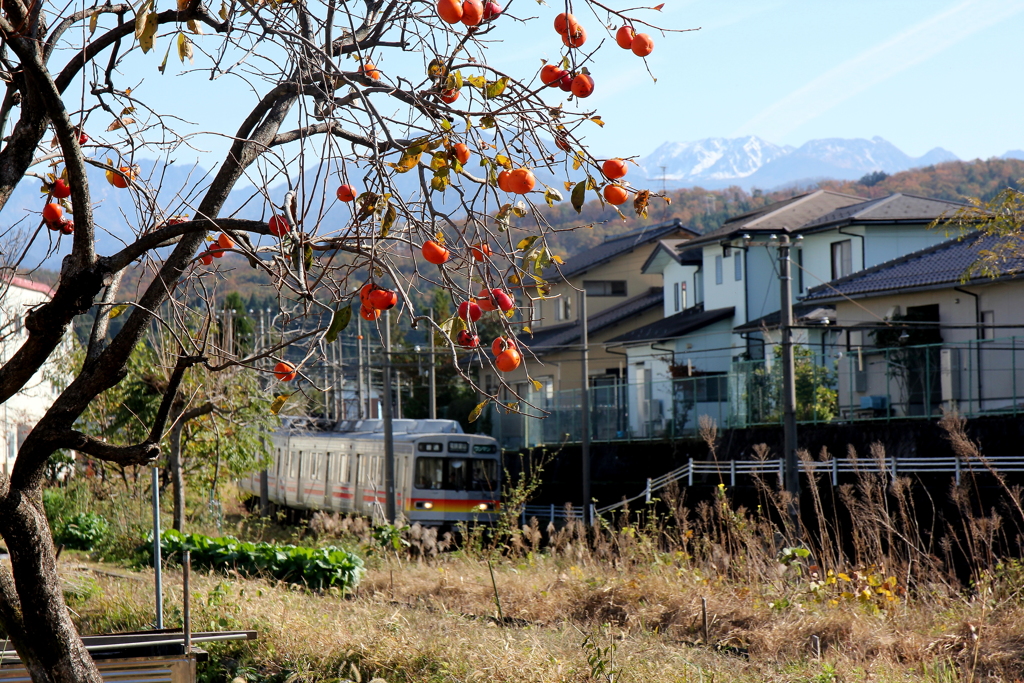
{"x":585,"y":406}
{"x":389,"y":437}
{"x":433,"y":379}
{"x":792,"y":475}
{"x":362,"y":413}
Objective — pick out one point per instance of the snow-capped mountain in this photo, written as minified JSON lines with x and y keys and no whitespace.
{"x":752,"y":162}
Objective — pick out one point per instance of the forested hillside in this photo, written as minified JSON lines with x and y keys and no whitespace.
{"x":705,"y":210}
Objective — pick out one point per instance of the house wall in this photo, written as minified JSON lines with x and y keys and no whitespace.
{"x":730,"y":292}
{"x":675,"y":275}
{"x":973,"y":375}
{"x":19,"y":414}
{"x":762,"y":286}
{"x":881,"y":243}
{"x":624,"y":267}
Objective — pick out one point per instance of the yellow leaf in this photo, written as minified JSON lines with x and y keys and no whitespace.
{"x":184,"y":48}
{"x":597,"y":120}
{"x":538,"y":386}
{"x":142,"y":18}
{"x":503,"y":161}
{"x":94,"y":21}
{"x":513,"y":280}
{"x":127,"y":110}
{"x":477,"y":81}
{"x":557,"y":259}
{"x":223,"y":14}
{"x":527,"y":330}
{"x":475,"y":414}
{"x":279,"y":402}
{"x":568,"y":184}
{"x":410,"y":158}
{"x":148,"y":34}
{"x":117,"y":310}
{"x":195,"y":27}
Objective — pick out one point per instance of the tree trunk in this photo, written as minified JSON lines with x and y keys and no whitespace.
{"x":35,"y":616}
{"x":177,"y":478}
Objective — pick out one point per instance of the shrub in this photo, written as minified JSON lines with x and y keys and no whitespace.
{"x":83,"y":531}
{"x":317,"y":568}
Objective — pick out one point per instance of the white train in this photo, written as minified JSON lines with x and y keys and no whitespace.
{"x":442,"y":475}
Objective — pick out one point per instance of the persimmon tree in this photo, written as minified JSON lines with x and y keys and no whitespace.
{"x":420,"y":176}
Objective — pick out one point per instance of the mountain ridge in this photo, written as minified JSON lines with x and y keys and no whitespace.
{"x":751,"y":162}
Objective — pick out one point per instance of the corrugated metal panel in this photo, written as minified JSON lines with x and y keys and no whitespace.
{"x":176,"y":669}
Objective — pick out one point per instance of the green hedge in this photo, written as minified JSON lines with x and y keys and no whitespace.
{"x":317,"y":568}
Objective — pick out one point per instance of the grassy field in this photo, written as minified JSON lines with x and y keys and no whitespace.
{"x":871,"y":589}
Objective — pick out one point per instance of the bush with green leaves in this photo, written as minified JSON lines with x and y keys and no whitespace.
{"x":316,"y":568}
{"x":83,"y":531}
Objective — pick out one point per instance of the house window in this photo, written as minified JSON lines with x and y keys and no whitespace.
{"x":563,"y":308}
{"x":675,"y":292}
{"x":605,"y":287}
{"x":842,"y":259}
{"x":738,"y":266}
{"x":718,"y":270}
{"x":988,"y":321}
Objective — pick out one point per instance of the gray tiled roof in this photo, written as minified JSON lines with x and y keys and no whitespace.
{"x":944,"y":264}
{"x":614,"y":246}
{"x":690,"y":320}
{"x":899,"y":207}
{"x":784,"y":216}
{"x":546,"y":340}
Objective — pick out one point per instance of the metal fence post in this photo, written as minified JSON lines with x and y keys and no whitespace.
{"x":689,"y":473}
{"x":551,"y":515}
{"x":835,"y":472}
{"x":732,"y":473}
{"x":956,"y":468}
{"x":647,"y":491}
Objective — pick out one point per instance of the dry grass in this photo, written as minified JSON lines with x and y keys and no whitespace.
{"x":866,"y":592}
{"x":420,"y":622}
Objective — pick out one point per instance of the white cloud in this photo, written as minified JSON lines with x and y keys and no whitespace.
{"x":913,"y":46}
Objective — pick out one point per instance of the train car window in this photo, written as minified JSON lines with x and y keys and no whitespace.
{"x":485,"y":474}
{"x":314,"y":465}
{"x":456,"y":474}
{"x":429,"y":447}
{"x":342,"y":468}
{"x":458,"y":447}
{"x":293,"y":464}
{"x":488,"y":448}
{"x":430,"y":473}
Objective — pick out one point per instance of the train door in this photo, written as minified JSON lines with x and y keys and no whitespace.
{"x":358,"y":476}
{"x":328,"y":479}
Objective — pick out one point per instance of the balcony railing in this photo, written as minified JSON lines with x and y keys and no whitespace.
{"x":977,"y":377}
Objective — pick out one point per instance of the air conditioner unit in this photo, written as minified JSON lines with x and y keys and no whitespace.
{"x":655,"y":412}
{"x":949,"y":374}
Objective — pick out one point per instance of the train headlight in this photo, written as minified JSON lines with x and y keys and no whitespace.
{"x":424,"y":505}
{"x":483,"y":507}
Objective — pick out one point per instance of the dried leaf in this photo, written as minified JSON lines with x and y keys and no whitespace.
{"x":658,"y":7}
{"x":520,"y":209}
{"x":495,"y":88}
{"x":94,"y":21}
{"x":184,"y":48}
{"x":527,"y":242}
{"x":597,"y":120}
{"x":640,"y":203}
{"x":142,"y":18}
{"x":279,"y":402}
{"x":579,"y":195}
{"x":339,"y":321}
{"x":150,"y":22}
{"x":120,"y":123}
{"x":195,"y":27}
{"x":537,"y":385}
{"x":388,"y":221}
{"x":487,"y":122}
{"x":476,"y":412}
{"x":551,"y":195}
{"x":163,"y":65}
{"x":117,"y":310}
{"x":223,"y":13}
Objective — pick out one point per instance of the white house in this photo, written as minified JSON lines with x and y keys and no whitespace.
{"x":733,"y":275}
{"x":915,"y":338}
{"x":19,"y":414}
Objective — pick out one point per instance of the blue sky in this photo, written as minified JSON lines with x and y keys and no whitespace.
{"x":920,"y":73}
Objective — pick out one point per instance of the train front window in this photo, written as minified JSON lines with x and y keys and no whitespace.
{"x":456,"y":474}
